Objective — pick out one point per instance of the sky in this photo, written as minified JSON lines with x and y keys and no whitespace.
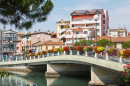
{"x":118,"y":10}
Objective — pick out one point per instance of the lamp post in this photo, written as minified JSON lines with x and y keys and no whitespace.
{"x":27,"y":36}
{"x":38,"y":42}
{"x":96,"y":17}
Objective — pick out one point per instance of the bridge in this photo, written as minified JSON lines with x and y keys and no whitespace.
{"x":102,"y":71}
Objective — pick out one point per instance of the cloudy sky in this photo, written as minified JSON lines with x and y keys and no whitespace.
{"x":119,"y":13}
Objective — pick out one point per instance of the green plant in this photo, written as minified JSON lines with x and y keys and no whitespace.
{"x":88,"y":48}
{"x":105,"y":42}
{"x":36,"y":54}
{"x":72,"y":48}
{"x":49,"y":51}
{"x":55,"y":50}
{"x":3,"y":73}
{"x":61,"y":49}
{"x":126,"y":45}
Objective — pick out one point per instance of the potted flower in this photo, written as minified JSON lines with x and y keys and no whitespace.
{"x":125,"y":75}
{"x":126,"y":53}
{"x":61,"y":50}
{"x":52,"y":52}
{"x":39,"y":54}
{"x":65,"y":49}
{"x":79,"y":48}
{"x":48,"y":53}
{"x":55,"y":51}
{"x":72,"y":48}
{"x":36,"y":54}
{"x":98,"y":50}
{"x":27,"y":56}
{"x":88,"y":49}
{"x":44,"y":52}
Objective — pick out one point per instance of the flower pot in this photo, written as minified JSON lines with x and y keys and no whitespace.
{"x":86,"y":53}
{"x":43,"y":56}
{"x":101,"y":54}
{"x":70,"y":52}
{"x":52,"y":54}
{"x":77,"y":52}
{"x":107,"y":56}
{"x":16,"y":58}
{"x":120,"y":59}
{"x":38,"y":56}
{"x":64,"y":52}
{"x":34,"y":57}
{"x":96,"y":55}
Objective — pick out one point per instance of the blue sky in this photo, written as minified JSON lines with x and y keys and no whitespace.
{"x":118,"y":10}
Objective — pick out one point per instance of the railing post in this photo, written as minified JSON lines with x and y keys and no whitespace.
{"x":70,"y":52}
{"x":26,"y":58}
{"x":64,"y":52}
{"x":107,"y":57}
{"x":58,"y":53}
{"x":30,"y":57}
{"x":43,"y":56}
{"x":86,"y":53}
{"x":120,"y":59}
{"x":52,"y":54}
{"x":96,"y":55}
{"x":47,"y":54}
{"x":16,"y":58}
{"x":34,"y":57}
{"x":38,"y":56}
{"x":77,"y":52}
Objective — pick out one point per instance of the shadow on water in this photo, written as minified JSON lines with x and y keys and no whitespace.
{"x":39,"y":79}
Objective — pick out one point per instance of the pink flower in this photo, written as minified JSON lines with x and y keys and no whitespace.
{"x":124,"y":66}
{"x":126,"y":73}
{"x":122,"y":74}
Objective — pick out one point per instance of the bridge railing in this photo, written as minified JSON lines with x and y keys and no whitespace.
{"x":90,"y":54}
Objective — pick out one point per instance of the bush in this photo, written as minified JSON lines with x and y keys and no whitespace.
{"x":88,"y":48}
{"x":126,"y":45}
{"x":105,"y":42}
{"x":72,"y":48}
{"x":125,"y":74}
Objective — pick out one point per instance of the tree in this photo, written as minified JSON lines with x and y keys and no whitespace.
{"x":84,"y":42}
{"x":24,"y":13}
{"x":105,"y":42}
{"x":126,"y":45}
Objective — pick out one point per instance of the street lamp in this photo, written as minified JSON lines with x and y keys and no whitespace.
{"x":27,"y":36}
{"x":38,"y":41}
{"x":96,"y":17}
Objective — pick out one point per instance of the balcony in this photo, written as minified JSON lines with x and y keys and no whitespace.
{"x":61,"y":31}
{"x":85,"y":22}
{"x":9,"y":49}
{"x":62,"y":36}
{"x":81,"y":36}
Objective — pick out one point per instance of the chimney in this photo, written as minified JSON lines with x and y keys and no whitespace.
{"x":61,"y":20}
{"x":52,"y":31}
{"x":35,"y":31}
{"x":48,"y":31}
{"x":4,"y":27}
{"x":39,"y":31}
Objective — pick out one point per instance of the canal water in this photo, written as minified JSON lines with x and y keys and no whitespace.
{"x":38,"y":79}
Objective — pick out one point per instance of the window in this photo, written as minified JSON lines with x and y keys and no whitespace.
{"x":91,"y":25}
{"x":46,"y":47}
{"x":62,"y":27}
{"x":77,"y":25}
{"x":103,"y":21}
{"x":104,"y":27}
{"x":68,"y":39}
{"x":109,"y":33}
{"x":103,"y":16}
{"x":72,"y":25}
{"x":83,"y":25}
{"x":121,"y":34}
{"x":85,"y":32}
{"x":77,"y":32}
{"x":68,"y":32}
{"x":89,"y":19}
{"x":77,"y":19}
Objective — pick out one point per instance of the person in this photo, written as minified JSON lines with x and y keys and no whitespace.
{"x":6,"y":57}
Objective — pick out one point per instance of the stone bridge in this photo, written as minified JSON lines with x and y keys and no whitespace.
{"x":102,"y":71}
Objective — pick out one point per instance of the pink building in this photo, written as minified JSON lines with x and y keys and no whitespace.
{"x":81,"y":22}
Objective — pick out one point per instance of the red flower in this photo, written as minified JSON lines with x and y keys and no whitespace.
{"x":96,"y":51}
{"x":126,"y":73}
{"x":122,"y":74}
{"x":79,"y":48}
{"x":66,"y":48}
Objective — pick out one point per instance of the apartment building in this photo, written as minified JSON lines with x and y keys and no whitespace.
{"x":61,"y":27}
{"x":9,"y":43}
{"x":31,"y":38}
{"x":82,"y":25}
{"x":118,"y":32}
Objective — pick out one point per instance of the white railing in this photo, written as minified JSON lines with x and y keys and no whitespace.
{"x":86,"y":54}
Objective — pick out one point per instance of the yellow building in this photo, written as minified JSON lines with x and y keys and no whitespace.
{"x":61,"y":27}
{"x":48,"y":45}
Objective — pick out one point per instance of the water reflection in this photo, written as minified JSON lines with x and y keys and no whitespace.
{"x":38,"y":79}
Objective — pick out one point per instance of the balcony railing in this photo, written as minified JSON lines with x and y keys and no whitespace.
{"x":9,"y":49}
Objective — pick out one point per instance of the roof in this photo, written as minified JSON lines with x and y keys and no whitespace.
{"x":19,"y":33}
{"x":117,"y":30}
{"x":120,"y":39}
{"x":53,"y":34}
{"x":103,"y":37}
{"x":49,"y":43}
{"x":63,"y":22}
{"x":37,"y":33}
{"x":83,"y":12}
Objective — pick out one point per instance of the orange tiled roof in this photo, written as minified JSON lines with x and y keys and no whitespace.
{"x":64,"y":21}
{"x":120,"y":39}
{"x":116,"y":29}
{"x":49,"y":43}
{"x":128,"y":33}
{"x":53,"y":34}
{"x":82,"y":12}
{"x":103,"y":37}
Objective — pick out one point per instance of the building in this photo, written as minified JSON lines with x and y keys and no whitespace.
{"x":9,"y":43}
{"x":118,"y":32}
{"x":19,"y":38}
{"x":82,"y":25}
{"x":48,"y":45}
{"x":31,"y":38}
{"x":61,"y":27}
